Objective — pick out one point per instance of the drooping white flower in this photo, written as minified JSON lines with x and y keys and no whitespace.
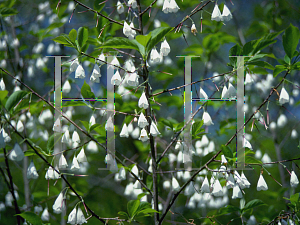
{"x":114,"y":63}
{"x":66,"y":88}
{"x":52,"y":174}
{"x":143,"y":102}
{"x":116,"y":78}
{"x":154,"y":56}
{"x":236,"y":193}
{"x":207,"y":119}
{"x":16,"y":153}
{"x":2,"y":85}
{"x":66,"y":137}
{"x":133,"y":79}
{"x":80,"y":219}
{"x":294,"y":134}
{"x":175,"y":184}
{"x":261,"y":184}
{"x":126,"y":29}
{"x":92,"y":120}
{"x":59,"y":204}
{"x":194,"y":29}
{"x":179,"y":146}
{"x":216,"y":14}
{"x":294,"y":180}
{"x":31,"y":171}
{"x":45,"y":215}
{"x":170,"y":6}
{"x":205,"y":186}
{"x":230,"y":181}
{"x":75,"y":137}
{"x":226,"y":14}
{"x":224,"y":93}
{"x":144,"y":136}
{"x":165,"y":48}
{"x":120,"y":7}
{"x":95,"y":74}
{"x":75,"y":166}
{"x":135,"y":134}
{"x":245,"y":180}
{"x":132,"y":3}
{"x":189,"y":190}
{"x":92,"y":146}
{"x":122,"y":173}
{"x":231,"y":92}
{"x":20,"y":126}
{"x":109,"y":124}
{"x":284,"y":96}
{"x":72,"y":216}
{"x":153,"y":130}
{"x":135,"y":171}
{"x":81,"y":157}
{"x":79,"y":73}
{"x":142,"y":122}
{"x":203,"y":95}
{"x":282,"y":121}
{"x":133,"y":32}
{"x":247,"y":144}
{"x":223,"y":159}
{"x":217,"y":189}
{"x":137,"y":185}
{"x":124,"y":131}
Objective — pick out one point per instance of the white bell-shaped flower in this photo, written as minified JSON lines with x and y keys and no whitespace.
{"x":165,"y":48}
{"x":132,"y":3}
{"x":236,"y":193}
{"x":226,"y":14}
{"x":194,"y":29}
{"x":224,"y":93}
{"x":189,"y":189}
{"x":92,"y":147}
{"x":81,"y":157}
{"x":52,"y":174}
{"x":230,"y":181}
{"x":135,"y":134}
{"x":154,"y":56}
{"x":124,"y":131}
{"x":92,"y":120}
{"x":205,"y":186}
{"x":59,"y":204}
{"x":45,"y":215}
{"x":122,"y":173}
{"x":223,"y":159}
{"x":66,"y":88}
{"x":120,"y":7}
{"x":216,"y":14}
{"x":175,"y":184}
{"x":133,"y":79}
{"x":133,"y":32}
{"x":72,"y":216}
{"x":74,"y":65}
{"x":95,"y":74}
{"x":116,"y":78}
{"x":2,"y":85}
{"x":75,"y":166}
{"x":31,"y":171}
{"x":203,"y":95}
{"x":170,"y":6}
{"x":66,"y":137}
{"x":144,"y":136}
{"x":75,"y":137}
{"x":101,"y":58}
{"x":284,"y":96}
{"x":282,"y":121}
{"x":231,"y":92}
{"x":217,"y":189}
{"x":137,"y":185}
{"x":16,"y":153}
{"x":247,"y":144}
{"x":261,"y":184}
{"x":109,"y":124}
{"x":135,"y":171}
{"x":245,"y":180}
{"x":294,"y":180}
{"x":80,"y":219}
{"x":126,"y":29}
{"x":207,"y":119}
{"x":79,"y":73}
{"x":142,"y":122}
{"x":114,"y":63}
{"x":294,"y":134}
{"x":20,"y":126}
{"x":143,"y":102}
{"x":153,"y":130}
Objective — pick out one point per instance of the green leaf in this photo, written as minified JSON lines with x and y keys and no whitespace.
{"x":249,"y":47}
{"x":31,"y":218}
{"x":132,"y":207}
{"x":156,"y":36}
{"x":197,"y":128}
{"x":234,"y":51}
{"x":82,"y":36}
{"x":86,"y":92}
{"x":65,"y":40}
{"x":143,"y":39}
{"x":227,"y":151}
{"x":73,"y":35}
{"x":261,"y":64}
{"x":50,"y":144}
{"x":86,"y":125}
{"x":3,"y":94}
{"x":120,"y":42}
{"x":263,"y":44}
{"x":250,"y":159}
{"x":290,"y":40}
{"x":73,"y":103}
{"x":146,"y":211}
{"x":14,"y":99}
{"x":123,"y":214}
{"x":278,"y":69}
{"x":227,"y":209}
{"x":5,"y":11}
{"x":252,"y":204}
{"x":294,"y":198}
{"x":98,"y":6}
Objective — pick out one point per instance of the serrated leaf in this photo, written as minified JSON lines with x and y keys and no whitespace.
{"x":73,"y":35}
{"x":31,"y":218}
{"x":278,"y":69}
{"x":290,"y":40}
{"x":82,"y":36}
{"x":14,"y":99}
{"x":253,"y":203}
{"x":156,"y":36}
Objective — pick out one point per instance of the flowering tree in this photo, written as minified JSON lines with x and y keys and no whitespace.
{"x":126,"y":130}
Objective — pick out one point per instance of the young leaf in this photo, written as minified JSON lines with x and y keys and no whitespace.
{"x":82,"y":36}
{"x":132,"y":207}
{"x":227,"y":151}
{"x":73,"y":35}
{"x":65,"y":40}
{"x":14,"y":99}
{"x":252,"y":204}
{"x":31,"y":218}
{"x":290,"y":40}
{"x":86,"y":92}
{"x":156,"y":36}
{"x":278,"y":69}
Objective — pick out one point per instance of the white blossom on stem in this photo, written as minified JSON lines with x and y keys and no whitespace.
{"x":132,"y":3}
{"x":80,"y":219}
{"x":109,"y":124}
{"x":216,"y":14}
{"x":165,"y":48}
{"x":16,"y":153}
{"x":217,"y":189}
{"x":170,"y":6}
{"x":66,"y":88}
{"x":63,"y":162}
{"x":31,"y":171}
{"x":75,"y":166}
{"x":207,"y":119}
{"x":226,"y":14}
{"x":144,"y":136}
{"x":79,"y":73}
{"x":74,"y":65}
{"x":59,"y":204}
{"x":45,"y":215}
{"x":20,"y":126}
{"x":142,"y":122}
{"x":194,"y":29}
{"x":81,"y":157}
{"x":72,"y":216}
{"x":143,"y":102}
{"x":175,"y":184}
{"x":124,"y":131}
{"x":120,"y":7}
{"x":294,"y":180}
{"x":205,"y":186}
{"x":203,"y":95}
{"x":153,"y":130}
{"x":236,"y":193}
{"x":284,"y":96}
{"x":261,"y":184}
{"x":116,"y":78}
